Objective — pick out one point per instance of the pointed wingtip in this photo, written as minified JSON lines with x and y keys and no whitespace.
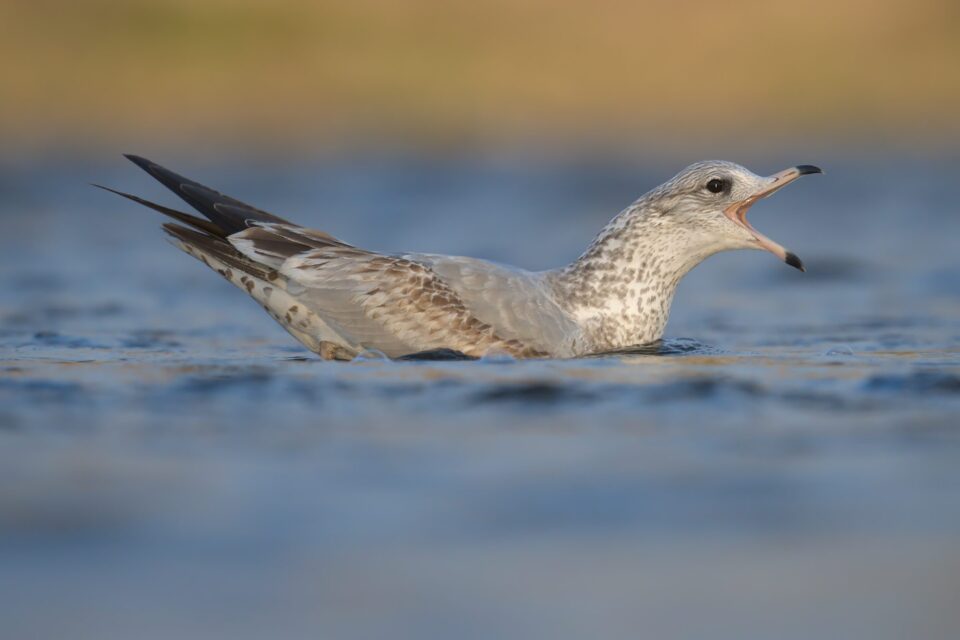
{"x":140,"y":161}
{"x":204,"y":198}
{"x":123,"y":194}
{"x":119,"y":193}
{"x":100,"y":186}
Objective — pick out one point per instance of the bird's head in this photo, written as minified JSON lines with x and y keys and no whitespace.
{"x":709,"y":202}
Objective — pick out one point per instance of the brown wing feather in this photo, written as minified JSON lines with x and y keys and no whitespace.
{"x":220,"y":249}
{"x":276,"y":243}
{"x":393,"y":304}
{"x":179,"y":216}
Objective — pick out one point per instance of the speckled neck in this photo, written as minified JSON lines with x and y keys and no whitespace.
{"x":620,"y":290}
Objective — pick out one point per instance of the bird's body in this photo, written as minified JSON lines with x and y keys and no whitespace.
{"x":340,"y":300}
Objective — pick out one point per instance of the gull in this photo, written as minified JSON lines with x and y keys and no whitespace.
{"x":340,"y":300}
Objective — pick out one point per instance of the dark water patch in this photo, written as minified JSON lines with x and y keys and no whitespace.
{"x":150,"y":339}
{"x":220,"y":380}
{"x":828,"y":401}
{"x":259,"y":387}
{"x":434,"y":355}
{"x":686,"y":346}
{"x":916,"y":382}
{"x":703,"y":388}
{"x":665,"y":347}
{"x":55,"y":339}
{"x":653,"y":349}
{"x":366,"y":388}
{"x":534,"y":393}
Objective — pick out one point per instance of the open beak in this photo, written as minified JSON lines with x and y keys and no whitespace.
{"x":737,"y":212}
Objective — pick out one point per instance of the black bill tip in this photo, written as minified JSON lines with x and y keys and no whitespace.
{"x":794,"y":261}
{"x":807,"y":169}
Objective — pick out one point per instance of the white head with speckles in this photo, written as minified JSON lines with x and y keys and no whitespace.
{"x":709,"y":202}
{"x":621,"y":288}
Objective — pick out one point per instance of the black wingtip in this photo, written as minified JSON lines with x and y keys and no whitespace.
{"x":119,"y":193}
{"x":808,"y":169}
{"x":140,"y":161}
{"x":204,"y":199}
{"x":185,"y":218}
{"x":795,"y":262}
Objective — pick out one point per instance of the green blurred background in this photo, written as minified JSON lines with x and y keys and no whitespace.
{"x":299,"y":74}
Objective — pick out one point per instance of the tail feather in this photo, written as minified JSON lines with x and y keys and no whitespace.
{"x":179,"y":216}
{"x":273,"y":244}
{"x":215,"y":242}
{"x":228,"y":214}
{"x":200,"y":245}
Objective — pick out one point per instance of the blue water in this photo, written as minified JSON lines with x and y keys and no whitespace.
{"x":173,"y":464}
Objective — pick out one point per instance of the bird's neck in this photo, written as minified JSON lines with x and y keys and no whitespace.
{"x":620,"y":290}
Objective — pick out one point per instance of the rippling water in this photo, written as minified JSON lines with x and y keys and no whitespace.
{"x":787,"y":464}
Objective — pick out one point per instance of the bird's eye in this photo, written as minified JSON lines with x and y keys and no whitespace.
{"x":717,"y":185}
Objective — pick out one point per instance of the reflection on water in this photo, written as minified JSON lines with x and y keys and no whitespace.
{"x":173,"y":464}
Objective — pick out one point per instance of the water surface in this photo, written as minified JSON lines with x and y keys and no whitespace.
{"x":173,"y":464}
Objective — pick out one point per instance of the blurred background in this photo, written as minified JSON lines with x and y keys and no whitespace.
{"x":302,"y":75}
{"x":173,"y":464}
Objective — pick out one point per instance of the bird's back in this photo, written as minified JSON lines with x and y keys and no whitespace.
{"x":406,"y":303}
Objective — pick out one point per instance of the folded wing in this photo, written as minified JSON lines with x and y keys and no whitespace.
{"x":519,"y":303}
{"x":394,"y":304}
